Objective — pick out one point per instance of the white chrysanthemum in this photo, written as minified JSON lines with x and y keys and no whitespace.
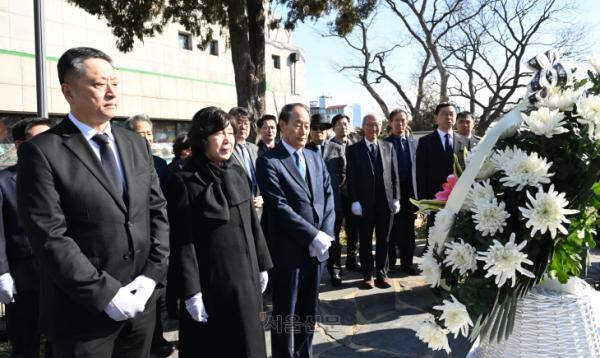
{"x":563,"y":100}
{"x":436,"y":237}
{"x":455,"y":316}
{"x":546,"y":212}
{"x":430,"y":268}
{"x":460,"y":256}
{"x":489,"y":217}
{"x":434,"y":335}
{"x":503,"y":261}
{"x":480,"y":191}
{"x":588,"y":108}
{"x":545,"y":122}
{"x":503,"y":156}
{"x":523,"y":170}
{"x":444,"y":219}
{"x":595,"y":62}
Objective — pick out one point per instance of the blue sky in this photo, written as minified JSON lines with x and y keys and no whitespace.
{"x":322,"y":54}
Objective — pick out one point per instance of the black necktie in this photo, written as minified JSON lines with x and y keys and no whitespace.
{"x":373,"y":152}
{"x":447,"y":146}
{"x":109,"y":163}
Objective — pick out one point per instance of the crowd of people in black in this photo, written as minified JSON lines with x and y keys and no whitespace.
{"x":98,"y":237}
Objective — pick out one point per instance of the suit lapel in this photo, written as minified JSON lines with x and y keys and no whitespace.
{"x":385,"y":156}
{"x":290,"y":165}
{"x":240,"y":160}
{"x":126,"y":155}
{"x":78,"y":145}
{"x":363,"y":152}
{"x":311,"y":168}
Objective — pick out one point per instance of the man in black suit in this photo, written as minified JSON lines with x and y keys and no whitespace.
{"x":402,"y":235}
{"x":245,"y":153}
{"x":374,"y":191}
{"x":19,"y":270}
{"x":267,"y":131}
{"x":435,"y":153}
{"x":335,"y":161}
{"x":142,"y":125}
{"x":299,"y":203}
{"x":341,"y":128}
{"x":90,"y":202}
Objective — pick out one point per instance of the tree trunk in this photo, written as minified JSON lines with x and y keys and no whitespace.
{"x":248,"y":53}
{"x":256,"y":35}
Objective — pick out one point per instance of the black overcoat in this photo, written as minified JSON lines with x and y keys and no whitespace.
{"x":220,"y":249}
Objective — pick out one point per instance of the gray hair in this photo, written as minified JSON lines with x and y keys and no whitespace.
{"x":379,"y":120}
{"x":286,"y":111}
{"x":143,"y":117}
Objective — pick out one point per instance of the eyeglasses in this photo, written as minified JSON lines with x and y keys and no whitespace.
{"x":319,"y":127}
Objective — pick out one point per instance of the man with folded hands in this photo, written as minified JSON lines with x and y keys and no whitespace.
{"x":90,"y":202}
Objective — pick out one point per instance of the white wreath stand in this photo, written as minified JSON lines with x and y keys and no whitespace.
{"x":553,"y":320}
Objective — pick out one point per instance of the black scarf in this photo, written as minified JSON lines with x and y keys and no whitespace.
{"x":225,"y":187}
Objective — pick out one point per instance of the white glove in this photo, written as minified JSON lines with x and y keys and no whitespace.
{"x":319,"y":246}
{"x":195,"y":307}
{"x":356,"y":209}
{"x":264,"y":279}
{"x":396,"y":206}
{"x":123,"y":306}
{"x":142,"y":288}
{"x":8,"y":290}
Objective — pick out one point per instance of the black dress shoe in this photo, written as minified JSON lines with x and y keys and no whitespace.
{"x":409,"y":270}
{"x":336,"y":280}
{"x":163,"y":349}
{"x":367,"y":283}
{"x":382,"y":283}
{"x":353,"y":266}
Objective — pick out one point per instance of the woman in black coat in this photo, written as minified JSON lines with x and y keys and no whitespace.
{"x":219,"y":247}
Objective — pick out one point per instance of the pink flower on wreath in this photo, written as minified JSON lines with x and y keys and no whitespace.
{"x":447,"y":188}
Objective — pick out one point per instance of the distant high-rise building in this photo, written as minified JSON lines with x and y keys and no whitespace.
{"x":356,"y":115}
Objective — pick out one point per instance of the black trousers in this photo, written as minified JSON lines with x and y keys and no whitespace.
{"x":295,"y":301}
{"x":334,"y":263}
{"x":22,"y":325}
{"x":132,"y":339}
{"x":379,"y":220}
{"x":345,"y":217}
{"x":402,"y":236}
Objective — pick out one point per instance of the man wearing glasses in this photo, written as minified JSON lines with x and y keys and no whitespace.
{"x":335,"y":162}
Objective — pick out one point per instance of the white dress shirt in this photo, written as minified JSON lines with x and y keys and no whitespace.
{"x":89,"y":132}
{"x":442,"y":135}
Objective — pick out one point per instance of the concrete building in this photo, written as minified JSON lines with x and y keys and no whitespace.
{"x":166,"y":76}
{"x":352,"y":111}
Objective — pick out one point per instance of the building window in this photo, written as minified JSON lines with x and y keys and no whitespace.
{"x":276,"y":61}
{"x":214,"y":47}
{"x":185,"y":41}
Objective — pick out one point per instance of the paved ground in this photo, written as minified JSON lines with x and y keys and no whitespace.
{"x":379,"y":323}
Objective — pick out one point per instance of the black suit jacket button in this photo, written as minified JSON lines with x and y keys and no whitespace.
{"x":127,"y":256}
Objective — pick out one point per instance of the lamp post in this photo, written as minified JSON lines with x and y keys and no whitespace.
{"x":40,"y":59}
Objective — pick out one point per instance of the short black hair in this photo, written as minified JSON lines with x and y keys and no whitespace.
{"x":337,"y":118}
{"x":264,"y":118}
{"x":395,"y":112}
{"x":465,"y":114}
{"x":286,"y":111}
{"x":207,"y":121}
{"x":22,"y":127}
{"x":181,"y":143}
{"x":443,"y":105}
{"x":72,"y":60}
